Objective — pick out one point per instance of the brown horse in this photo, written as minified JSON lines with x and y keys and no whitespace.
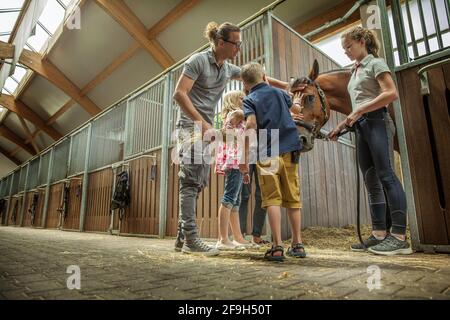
{"x":323,"y":92}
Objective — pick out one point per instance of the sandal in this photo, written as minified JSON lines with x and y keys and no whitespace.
{"x":270,"y":254}
{"x":297,"y":251}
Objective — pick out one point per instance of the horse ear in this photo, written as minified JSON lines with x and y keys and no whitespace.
{"x":314,"y":73}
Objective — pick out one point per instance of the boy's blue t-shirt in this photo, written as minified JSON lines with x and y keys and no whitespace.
{"x":271,"y":107}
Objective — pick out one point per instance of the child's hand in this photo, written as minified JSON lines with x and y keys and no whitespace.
{"x":246,"y":178}
{"x":244,"y":168}
{"x":297,"y":116}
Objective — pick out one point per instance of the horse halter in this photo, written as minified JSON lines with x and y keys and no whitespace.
{"x":323,"y":106}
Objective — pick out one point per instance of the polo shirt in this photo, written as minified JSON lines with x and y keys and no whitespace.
{"x":363,"y":86}
{"x":210,"y":81}
{"x":271,"y":108}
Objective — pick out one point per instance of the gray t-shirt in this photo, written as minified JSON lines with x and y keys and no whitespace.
{"x":210,"y":82}
{"x":363,"y":85}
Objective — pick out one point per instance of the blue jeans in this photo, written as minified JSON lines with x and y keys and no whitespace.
{"x":233,"y":185}
{"x":259,"y":214}
{"x":375,"y":134}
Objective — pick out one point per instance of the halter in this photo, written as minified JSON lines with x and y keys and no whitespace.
{"x":312,"y":128}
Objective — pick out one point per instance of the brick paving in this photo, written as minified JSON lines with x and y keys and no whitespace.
{"x":33,"y":266}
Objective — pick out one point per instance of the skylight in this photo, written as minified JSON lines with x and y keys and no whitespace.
{"x":48,"y":23}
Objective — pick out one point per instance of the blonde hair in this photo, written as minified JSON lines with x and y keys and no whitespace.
{"x":358,"y":33}
{"x":252,"y":73}
{"x":231,"y":102}
{"x":214,"y":32}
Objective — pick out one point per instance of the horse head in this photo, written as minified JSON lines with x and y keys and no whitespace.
{"x":314,"y":107}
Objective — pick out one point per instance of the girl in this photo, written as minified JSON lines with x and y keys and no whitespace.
{"x":228,"y":165}
{"x":371,"y":89}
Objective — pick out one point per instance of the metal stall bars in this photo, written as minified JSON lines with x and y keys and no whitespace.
{"x":107,"y":140}
{"x":420,"y":29}
{"x":145,"y":128}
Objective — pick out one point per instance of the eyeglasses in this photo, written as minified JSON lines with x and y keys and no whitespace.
{"x":237,"y":44}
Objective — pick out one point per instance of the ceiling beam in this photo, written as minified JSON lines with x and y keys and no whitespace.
{"x":152,"y":33}
{"x":60,"y":112}
{"x":22,"y":110}
{"x":6,"y":50}
{"x":11,"y":158}
{"x":27,"y":141}
{"x":27,"y":130}
{"x":11,"y":136}
{"x":120,"y":12}
{"x":50,"y":72}
{"x":179,"y":10}
{"x":332,"y":14}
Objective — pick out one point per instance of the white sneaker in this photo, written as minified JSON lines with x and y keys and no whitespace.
{"x":243,"y":245}
{"x":226,"y":247}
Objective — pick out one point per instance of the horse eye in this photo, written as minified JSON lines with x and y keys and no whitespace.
{"x":309,"y":99}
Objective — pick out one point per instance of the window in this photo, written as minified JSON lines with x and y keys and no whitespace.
{"x":48,"y":23}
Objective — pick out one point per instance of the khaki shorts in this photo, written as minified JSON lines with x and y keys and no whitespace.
{"x":279,"y":182}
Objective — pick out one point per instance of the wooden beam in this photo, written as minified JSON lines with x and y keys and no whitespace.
{"x":6,"y":50}
{"x":27,"y":130}
{"x":50,"y":72}
{"x":28,"y":141}
{"x":60,"y":112}
{"x":24,"y":111}
{"x":124,"y":57}
{"x":120,"y":12}
{"x":180,"y":9}
{"x":334,"y":13}
{"x":34,"y":135}
{"x":11,"y":136}
{"x":11,"y":158}
{"x":152,"y":33}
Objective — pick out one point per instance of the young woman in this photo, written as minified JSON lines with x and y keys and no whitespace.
{"x":372,"y":89}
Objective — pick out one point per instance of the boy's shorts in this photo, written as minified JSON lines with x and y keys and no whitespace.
{"x":279,"y":182}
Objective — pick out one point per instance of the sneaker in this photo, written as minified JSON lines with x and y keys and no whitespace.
{"x":391,"y":246}
{"x":370,"y":242}
{"x":227,"y":247}
{"x":197,"y":246}
{"x":242,"y":245}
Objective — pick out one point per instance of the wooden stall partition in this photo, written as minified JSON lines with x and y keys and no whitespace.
{"x":40,"y":208}
{"x":427,"y":132}
{"x":14,"y":210}
{"x":54,"y":202}
{"x":99,"y":201}
{"x":27,"y":211}
{"x":142,"y":217}
{"x":4,"y":213}
{"x":72,"y":221}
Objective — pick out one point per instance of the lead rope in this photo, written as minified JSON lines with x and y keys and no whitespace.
{"x":358,"y":185}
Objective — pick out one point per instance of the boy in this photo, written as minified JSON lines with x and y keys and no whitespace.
{"x":268,"y":108}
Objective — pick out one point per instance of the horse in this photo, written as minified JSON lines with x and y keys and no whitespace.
{"x":324,"y":92}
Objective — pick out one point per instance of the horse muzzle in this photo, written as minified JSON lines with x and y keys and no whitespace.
{"x":305,"y":134}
